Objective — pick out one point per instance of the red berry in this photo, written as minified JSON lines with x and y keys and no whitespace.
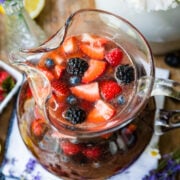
{"x":92,"y":152}
{"x":70,"y":45}
{"x":89,"y":92}
{"x":109,"y":89}
{"x":1,"y":95}
{"x":101,"y":112}
{"x":28,"y":93}
{"x":114,"y":57}
{"x":92,"y":51}
{"x":70,"y":148}
{"x":38,"y":127}
{"x":60,"y":88}
{"x":3,"y":76}
{"x":96,"y":69}
{"x":47,"y":72}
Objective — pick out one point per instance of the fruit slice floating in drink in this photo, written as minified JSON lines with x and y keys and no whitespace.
{"x":87,"y":69}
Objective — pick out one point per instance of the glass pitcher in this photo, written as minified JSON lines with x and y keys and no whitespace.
{"x":86,"y":110}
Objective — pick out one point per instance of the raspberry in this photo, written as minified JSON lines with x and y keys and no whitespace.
{"x":125,"y":73}
{"x":109,"y":89}
{"x":77,"y":66}
{"x":92,"y":152}
{"x":114,"y":57}
{"x":70,"y":148}
{"x":75,"y":115}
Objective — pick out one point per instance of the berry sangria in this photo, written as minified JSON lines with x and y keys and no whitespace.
{"x":85,"y":111}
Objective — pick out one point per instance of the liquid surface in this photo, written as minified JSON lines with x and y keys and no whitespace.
{"x":92,"y":81}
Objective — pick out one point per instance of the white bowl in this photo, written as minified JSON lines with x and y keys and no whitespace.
{"x":160,"y":27}
{"x":18,"y":78}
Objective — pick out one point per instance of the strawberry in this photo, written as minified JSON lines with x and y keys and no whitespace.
{"x":101,"y":112}
{"x":47,"y":72}
{"x":3,"y":76}
{"x":28,"y":93}
{"x":114,"y":57}
{"x":70,"y":45}
{"x":58,"y":70}
{"x":93,"y":152}
{"x":96,"y":41}
{"x":60,"y":89}
{"x":1,"y":95}
{"x":89,"y":92}
{"x":70,"y":148}
{"x":96,"y":69}
{"x":92,"y":51}
{"x":38,"y":127}
{"x":38,"y":113}
{"x":109,"y":89}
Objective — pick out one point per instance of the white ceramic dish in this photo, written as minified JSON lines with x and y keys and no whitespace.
{"x":19,"y":79}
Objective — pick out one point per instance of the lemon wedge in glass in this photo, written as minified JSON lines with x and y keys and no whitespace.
{"x":34,"y":7}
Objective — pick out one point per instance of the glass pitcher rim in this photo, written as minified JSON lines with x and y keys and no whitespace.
{"x":151,"y":64}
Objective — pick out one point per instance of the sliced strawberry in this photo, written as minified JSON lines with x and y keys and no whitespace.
{"x":60,"y":89}
{"x":96,"y":69}
{"x":96,"y":41}
{"x":38,"y":127}
{"x":101,"y":112}
{"x":93,"y":152}
{"x":70,"y":45}
{"x":92,"y":51}
{"x":109,"y":89}
{"x":89,"y":92}
{"x":114,"y":57}
{"x":58,"y":70}
{"x":47,"y":72}
{"x":38,"y":113}
{"x":70,"y":148}
{"x":28,"y":93}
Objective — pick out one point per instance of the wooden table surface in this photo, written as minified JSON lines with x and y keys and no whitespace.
{"x":51,"y":19}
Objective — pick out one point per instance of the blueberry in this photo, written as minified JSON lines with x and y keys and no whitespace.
{"x":72,"y":100}
{"x":172,"y":59}
{"x":49,"y":63}
{"x":121,"y":99}
{"x":73,"y":80}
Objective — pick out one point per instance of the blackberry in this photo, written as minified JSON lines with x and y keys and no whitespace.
{"x":76,"y":66}
{"x":75,"y":115}
{"x":125,"y":73}
{"x":49,"y":63}
{"x":172,"y":59}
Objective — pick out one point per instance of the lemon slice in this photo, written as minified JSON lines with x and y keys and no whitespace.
{"x":2,"y":10}
{"x":34,"y":7}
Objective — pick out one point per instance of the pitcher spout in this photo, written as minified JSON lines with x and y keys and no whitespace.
{"x":38,"y":82}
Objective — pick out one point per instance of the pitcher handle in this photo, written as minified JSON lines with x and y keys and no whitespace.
{"x":162,"y":87}
{"x":166,"y":120}
{"x":166,"y":87}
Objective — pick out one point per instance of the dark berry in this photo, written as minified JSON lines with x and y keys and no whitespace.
{"x":172,"y":59}
{"x":49,"y":63}
{"x":72,"y":100}
{"x":77,"y":66}
{"x":75,"y":115}
{"x":121,"y":99}
{"x":74,"y":80}
{"x":125,"y":73}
